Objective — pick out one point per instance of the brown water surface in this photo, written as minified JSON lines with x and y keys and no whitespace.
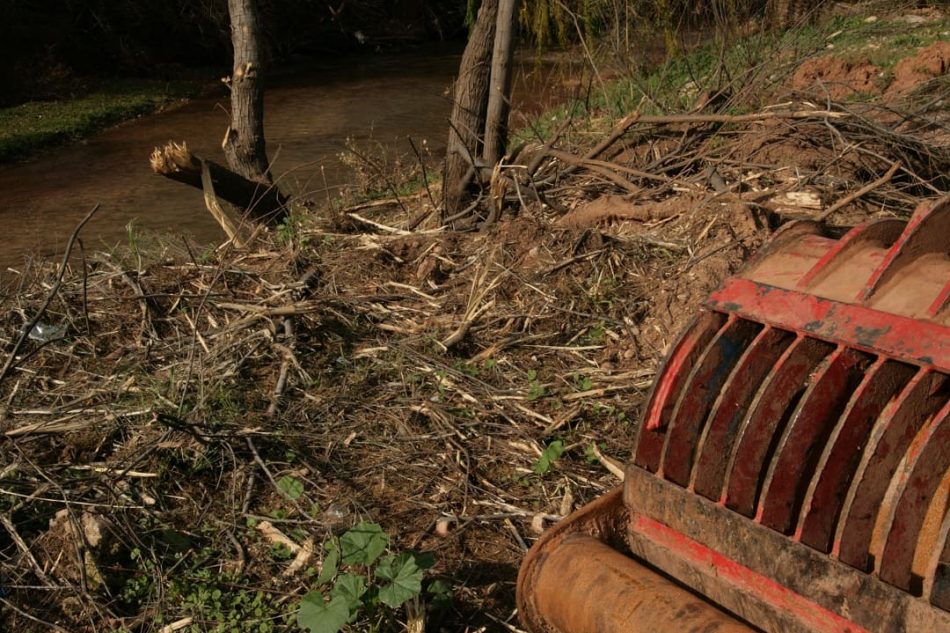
{"x":308,"y":116}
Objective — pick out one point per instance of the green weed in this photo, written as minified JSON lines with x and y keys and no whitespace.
{"x":362,"y":586}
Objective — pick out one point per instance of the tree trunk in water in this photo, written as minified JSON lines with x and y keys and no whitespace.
{"x":499,"y":97}
{"x":784,"y":14}
{"x":470,"y":103}
{"x":244,"y":142}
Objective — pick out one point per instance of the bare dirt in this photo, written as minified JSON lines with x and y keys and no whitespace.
{"x":929,"y":63}
{"x":840,"y":77}
{"x":837,"y":77}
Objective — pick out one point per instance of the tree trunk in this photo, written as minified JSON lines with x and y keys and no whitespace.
{"x":244,"y":142}
{"x":499,"y":97}
{"x":784,"y":14}
{"x":470,"y":103}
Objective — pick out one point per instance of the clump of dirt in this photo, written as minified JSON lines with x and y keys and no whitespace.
{"x":929,"y":63}
{"x":609,"y":209}
{"x":837,"y":77}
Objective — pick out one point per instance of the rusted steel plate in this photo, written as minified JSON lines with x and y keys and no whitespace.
{"x":842,"y":452}
{"x":763,"y":425}
{"x":914,"y":340}
{"x":881,"y":233}
{"x":799,"y":447}
{"x":927,"y":467}
{"x":850,"y":600}
{"x":611,"y":593}
{"x":886,"y":446}
{"x":669,"y":384}
{"x":702,"y":387}
{"x":788,"y":236}
{"x":718,"y":439}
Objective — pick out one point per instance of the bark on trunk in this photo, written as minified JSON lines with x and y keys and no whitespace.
{"x":263,"y":203}
{"x":469,"y":108}
{"x":499,"y":97}
{"x":244,"y":142}
{"x":784,"y":14}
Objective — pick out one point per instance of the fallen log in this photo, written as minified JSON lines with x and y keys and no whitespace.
{"x":261,"y":203}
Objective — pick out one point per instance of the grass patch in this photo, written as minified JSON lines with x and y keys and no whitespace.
{"x":31,"y":126}
{"x":675,"y":84}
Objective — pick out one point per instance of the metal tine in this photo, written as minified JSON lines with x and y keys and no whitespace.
{"x":938,"y":569}
{"x":926,"y":232}
{"x":817,"y":411}
{"x":697,"y":398}
{"x":884,"y":231}
{"x":839,"y":459}
{"x":925,"y":470}
{"x":941,"y":304}
{"x":718,"y":437}
{"x":888,"y":442}
{"x":768,"y":414}
{"x":670,"y":382}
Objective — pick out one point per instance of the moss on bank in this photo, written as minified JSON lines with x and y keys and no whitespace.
{"x":32,"y":126}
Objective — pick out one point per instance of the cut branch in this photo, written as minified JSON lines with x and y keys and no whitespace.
{"x":261,"y":202}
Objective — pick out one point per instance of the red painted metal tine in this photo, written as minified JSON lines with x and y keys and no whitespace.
{"x":926,"y":469}
{"x":702,"y":387}
{"x":941,"y":303}
{"x":718,"y":438}
{"x":669,"y":385}
{"x":799,"y":448}
{"x":891,"y":436}
{"x":770,"y":411}
{"x":838,"y":461}
{"x":884,"y":231}
{"x":926,"y":232}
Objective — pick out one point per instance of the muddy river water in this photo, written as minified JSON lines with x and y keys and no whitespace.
{"x":308,"y":116}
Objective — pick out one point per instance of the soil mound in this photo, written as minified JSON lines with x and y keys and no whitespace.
{"x":837,"y":77}
{"x":929,"y":63}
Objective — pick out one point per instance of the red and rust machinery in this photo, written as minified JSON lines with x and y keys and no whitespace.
{"x":792,"y":468}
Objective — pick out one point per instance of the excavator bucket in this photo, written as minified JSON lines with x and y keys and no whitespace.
{"x":792,"y":468}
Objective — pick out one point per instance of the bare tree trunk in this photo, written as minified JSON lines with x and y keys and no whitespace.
{"x":244,"y":142}
{"x":470,"y":103}
{"x":783,"y":14}
{"x":499,"y":97}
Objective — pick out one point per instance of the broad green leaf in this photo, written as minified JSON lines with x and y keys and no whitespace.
{"x":405,"y":578}
{"x":330,"y":565}
{"x":548,"y":456}
{"x":440,"y":592}
{"x":350,"y":587}
{"x":318,"y":616}
{"x":290,"y":486}
{"x":425,"y":560}
{"x":363,"y":543}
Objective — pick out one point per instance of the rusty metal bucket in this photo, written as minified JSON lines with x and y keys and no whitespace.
{"x":792,"y":469}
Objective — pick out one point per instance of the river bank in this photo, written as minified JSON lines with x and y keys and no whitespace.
{"x":194,"y":431}
{"x":30,"y":127}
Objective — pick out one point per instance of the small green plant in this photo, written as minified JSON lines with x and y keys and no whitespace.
{"x":583,"y":383}
{"x":535,"y":388}
{"x":590,"y":452}
{"x":290,"y":486}
{"x":358,"y":583}
{"x":549,"y":455}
